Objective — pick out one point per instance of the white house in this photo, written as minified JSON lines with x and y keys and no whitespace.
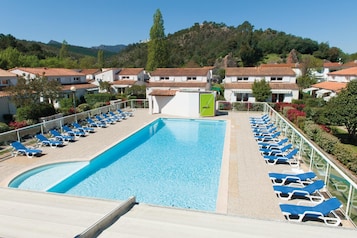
{"x":326,"y":89}
{"x":73,"y":82}
{"x":239,"y":81}
{"x":128,"y":77}
{"x":62,"y":75}
{"x":106,"y":75}
{"x":177,"y":91}
{"x":121,"y":78}
{"x":6,"y":79}
{"x":90,"y":73}
{"x":343,"y":75}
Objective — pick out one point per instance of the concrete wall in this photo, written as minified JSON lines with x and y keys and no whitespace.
{"x":182,"y":104}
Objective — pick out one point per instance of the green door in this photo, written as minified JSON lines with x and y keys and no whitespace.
{"x":207,"y":105}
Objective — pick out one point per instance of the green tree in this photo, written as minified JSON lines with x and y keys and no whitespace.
{"x":157,"y":46}
{"x":100,"y":59}
{"x":305,"y":81}
{"x":261,"y":90}
{"x":64,"y":50}
{"x":10,"y":58}
{"x":30,"y":91}
{"x":137,"y":91}
{"x":87,"y":62}
{"x":105,"y":86}
{"x":342,"y":109}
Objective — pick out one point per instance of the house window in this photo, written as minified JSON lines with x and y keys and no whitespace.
{"x":4,"y":82}
{"x":76,"y":78}
{"x":242,"y":78}
{"x":276,"y":78}
{"x":242,"y":97}
{"x":191,"y":78}
{"x":164,"y":78}
{"x":125,"y":77}
{"x":275,"y":97}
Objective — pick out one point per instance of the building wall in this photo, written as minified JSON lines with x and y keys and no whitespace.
{"x":178,"y":79}
{"x":6,"y":107}
{"x":251,"y":79}
{"x":182,"y":104}
{"x":341,"y":79}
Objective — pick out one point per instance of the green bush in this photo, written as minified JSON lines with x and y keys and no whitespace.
{"x":331,"y":145}
{"x":99,"y":104}
{"x":34,"y":112}
{"x":4,"y":127}
{"x":327,"y":142}
{"x":92,"y":99}
{"x":83,"y":107}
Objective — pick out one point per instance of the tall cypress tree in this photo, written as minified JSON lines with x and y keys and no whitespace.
{"x":157,"y":46}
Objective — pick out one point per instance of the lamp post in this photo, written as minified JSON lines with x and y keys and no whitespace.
{"x":73,"y":89}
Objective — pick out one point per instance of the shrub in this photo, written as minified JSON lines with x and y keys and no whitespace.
{"x":17,"y":124}
{"x":99,"y":104}
{"x":83,"y":107}
{"x":34,"y":112}
{"x":4,"y":127}
{"x":92,"y":99}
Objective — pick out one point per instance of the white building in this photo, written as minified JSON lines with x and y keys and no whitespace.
{"x":343,"y":75}
{"x":6,"y":107}
{"x":121,"y":78}
{"x":178,"y":91}
{"x":239,"y":81}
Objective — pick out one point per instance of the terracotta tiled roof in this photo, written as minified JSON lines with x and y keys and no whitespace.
{"x":160,"y":92}
{"x":259,"y":71}
{"x":291,"y":65}
{"x":79,"y":86}
{"x":291,"y":86}
{"x":50,"y":71}
{"x":334,"y":86}
{"x":89,"y":71}
{"x":332,"y":65}
{"x":177,"y":84}
{"x":350,"y":64}
{"x":124,"y":82}
{"x":4,"y":73}
{"x":181,"y":71}
{"x":130,"y":71}
{"x":346,"y":72}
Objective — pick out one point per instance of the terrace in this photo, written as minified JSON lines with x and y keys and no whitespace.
{"x":247,"y":198}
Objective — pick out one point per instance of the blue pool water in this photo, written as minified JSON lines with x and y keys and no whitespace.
{"x":170,"y":162}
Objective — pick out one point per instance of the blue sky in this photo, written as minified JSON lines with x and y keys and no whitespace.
{"x":111,"y":22}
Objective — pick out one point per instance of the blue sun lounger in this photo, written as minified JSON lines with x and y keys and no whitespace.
{"x":61,"y":137}
{"x":273,"y":144}
{"x":284,"y":178}
{"x":125,"y":113}
{"x":289,"y":158}
{"x":85,"y":129}
{"x":266,"y":138}
{"x":310,"y":191}
{"x":52,"y":142}
{"x":93,"y":123}
{"x":104,"y":120}
{"x":71,"y":132}
{"x":276,"y":151}
{"x":19,"y":148}
{"x":324,"y":211}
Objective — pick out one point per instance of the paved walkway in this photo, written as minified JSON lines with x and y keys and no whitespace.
{"x":245,"y":193}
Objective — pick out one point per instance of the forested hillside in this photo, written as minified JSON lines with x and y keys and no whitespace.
{"x":208,"y":43}
{"x":205,"y":44}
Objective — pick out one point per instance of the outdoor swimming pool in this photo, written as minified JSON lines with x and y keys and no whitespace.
{"x":170,"y":162}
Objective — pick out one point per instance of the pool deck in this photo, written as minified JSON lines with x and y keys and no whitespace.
{"x":247,"y":205}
